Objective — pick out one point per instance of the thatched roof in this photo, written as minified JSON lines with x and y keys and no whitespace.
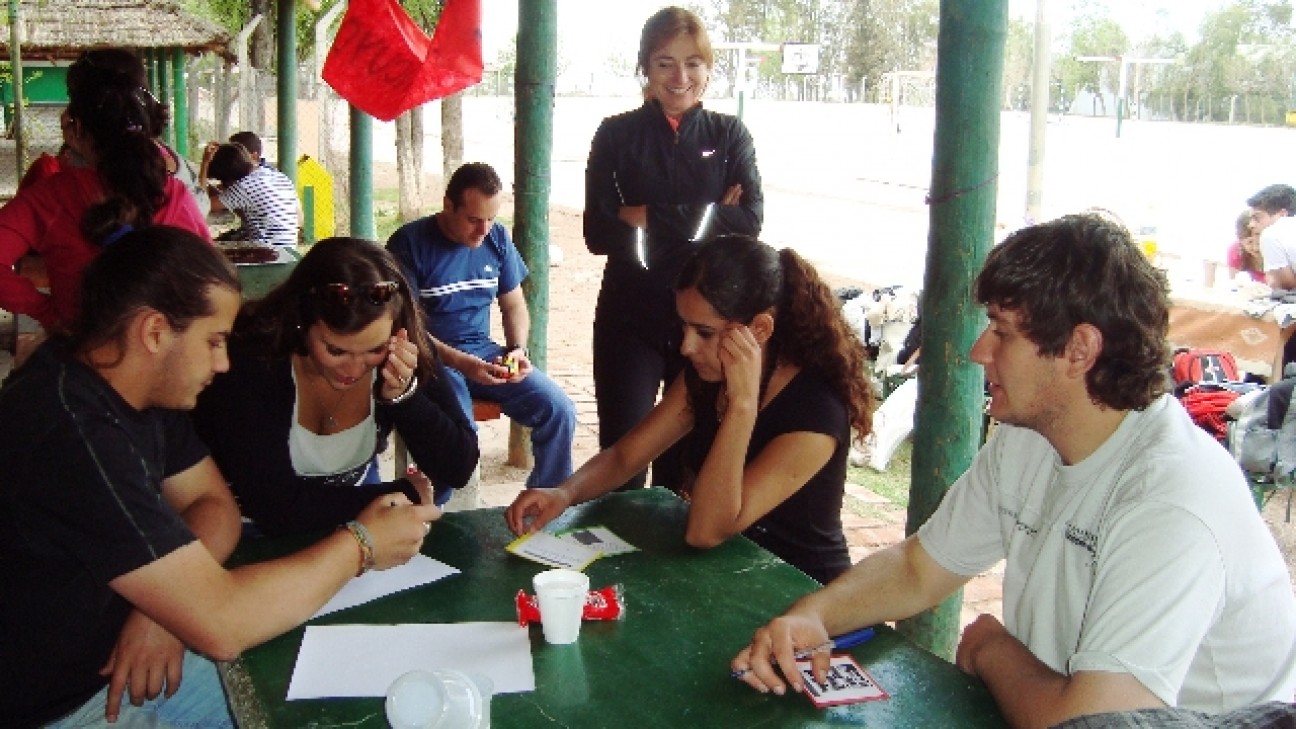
{"x":62,"y":29}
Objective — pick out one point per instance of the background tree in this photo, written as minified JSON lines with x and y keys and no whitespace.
{"x":1092,"y":35}
{"x":1019,"y":55}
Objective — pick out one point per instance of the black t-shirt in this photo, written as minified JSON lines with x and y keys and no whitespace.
{"x":81,"y":473}
{"x":805,"y":530}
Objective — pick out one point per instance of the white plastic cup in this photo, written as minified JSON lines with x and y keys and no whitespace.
{"x":561,"y":596}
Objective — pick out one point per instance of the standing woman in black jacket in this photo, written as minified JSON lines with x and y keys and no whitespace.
{"x":660,"y":180}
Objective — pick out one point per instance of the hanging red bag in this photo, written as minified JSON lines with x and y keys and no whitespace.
{"x":385,"y":65}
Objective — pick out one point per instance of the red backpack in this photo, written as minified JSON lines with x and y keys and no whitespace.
{"x":1201,"y":366}
{"x":1201,"y":382}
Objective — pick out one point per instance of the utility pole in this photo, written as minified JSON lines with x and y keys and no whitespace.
{"x":1039,"y":115}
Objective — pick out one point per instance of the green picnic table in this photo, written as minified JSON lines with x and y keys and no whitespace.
{"x":259,"y":278}
{"x":665,"y":664}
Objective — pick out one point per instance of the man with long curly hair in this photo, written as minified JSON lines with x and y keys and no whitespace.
{"x":1138,"y":572}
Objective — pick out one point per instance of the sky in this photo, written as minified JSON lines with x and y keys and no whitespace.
{"x":590,"y":31}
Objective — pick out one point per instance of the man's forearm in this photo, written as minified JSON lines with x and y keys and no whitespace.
{"x":1282,"y":278}
{"x":891,"y":584}
{"x":452,"y":357}
{"x":216,"y":525}
{"x":517,"y":327}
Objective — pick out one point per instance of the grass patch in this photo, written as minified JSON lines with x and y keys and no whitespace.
{"x":893,"y":484}
{"x":386,"y":212}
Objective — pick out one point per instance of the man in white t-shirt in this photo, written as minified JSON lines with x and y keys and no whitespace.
{"x":1271,"y":209}
{"x":1138,"y":571}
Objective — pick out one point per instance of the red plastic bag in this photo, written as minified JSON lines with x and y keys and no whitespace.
{"x":385,"y":65}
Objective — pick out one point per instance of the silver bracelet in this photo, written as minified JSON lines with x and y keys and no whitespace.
{"x":413,"y":385}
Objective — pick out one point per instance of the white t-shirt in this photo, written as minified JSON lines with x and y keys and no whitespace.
{"x":1278,"y":244}
{"x":1147,"y":558}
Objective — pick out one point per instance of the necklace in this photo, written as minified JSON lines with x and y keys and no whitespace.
{"x":309,"y":381}
{"x":330,"y":422}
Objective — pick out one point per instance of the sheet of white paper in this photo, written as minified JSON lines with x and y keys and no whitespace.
{"x":554,"y":551}
{"x":363,"y":660}
{"x":420,"y":570}
{"x":600,"y":538}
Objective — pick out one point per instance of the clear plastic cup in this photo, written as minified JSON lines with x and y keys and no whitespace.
{"x":561,"y":597}
{"x":441,"y":699}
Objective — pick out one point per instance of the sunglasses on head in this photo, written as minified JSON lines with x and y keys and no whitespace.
{"x":343,"y":294}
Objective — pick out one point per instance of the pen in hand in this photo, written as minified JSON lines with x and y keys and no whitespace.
{"x":840,"y":643}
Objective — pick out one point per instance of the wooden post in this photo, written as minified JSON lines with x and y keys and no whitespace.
{"x":969,"y":77}
{"x":534,"y":93}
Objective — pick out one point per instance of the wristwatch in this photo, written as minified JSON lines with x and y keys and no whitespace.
{"x":519,"y":348}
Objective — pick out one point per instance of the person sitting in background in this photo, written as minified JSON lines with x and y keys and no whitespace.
{"x":264,"y":198}
{"x":46,"y":165}
{"x":322,"y":371}
{"x":118,"y":182}
{"x":1139,"y":573}
{"x":1244,"y":253}
{"x":1271,"y":209}
{"x":114,"y":521}
{"x":252,"y":143}
{"x":774,"y":382}
{"x":462,"y":260}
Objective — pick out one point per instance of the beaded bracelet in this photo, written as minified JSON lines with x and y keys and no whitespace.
{"x":362,"y":538}
{"x":413,"y":385}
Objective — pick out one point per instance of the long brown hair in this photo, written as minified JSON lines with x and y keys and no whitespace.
{"x":279,"y":321}
{"x":741,"y":277}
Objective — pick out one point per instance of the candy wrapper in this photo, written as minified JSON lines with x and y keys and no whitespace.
{"x":603,"y":604}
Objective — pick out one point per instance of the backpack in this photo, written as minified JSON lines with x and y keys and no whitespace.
{"x":1198,"y":366}
{"x":1206,"y":381}
{"x":1263,"y":440}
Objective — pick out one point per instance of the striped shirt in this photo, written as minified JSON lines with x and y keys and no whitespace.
{"x":267,"y":202}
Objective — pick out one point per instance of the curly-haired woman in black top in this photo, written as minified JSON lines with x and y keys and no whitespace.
{"x":774,"y":382}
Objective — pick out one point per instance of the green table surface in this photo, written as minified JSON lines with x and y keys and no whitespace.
{"x":666,"y":664}
{"x":259,"y":279}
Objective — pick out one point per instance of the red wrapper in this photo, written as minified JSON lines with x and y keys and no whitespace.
{"x":603,"y":604}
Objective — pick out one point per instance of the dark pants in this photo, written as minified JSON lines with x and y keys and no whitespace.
{"x":632,"y":363}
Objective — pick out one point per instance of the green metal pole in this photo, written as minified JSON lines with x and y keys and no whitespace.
{"x":537,"y":43}
{"x":164,"y":92}
{"x":15,"y":57}
{"x":180,"y":106}
{"x":308,"y":214}
{"x":287,"y":32}
{"x":969,"y":72}
{"x":362,"y":212}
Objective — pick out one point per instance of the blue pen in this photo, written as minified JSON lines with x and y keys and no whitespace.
{"x":841,"y":643}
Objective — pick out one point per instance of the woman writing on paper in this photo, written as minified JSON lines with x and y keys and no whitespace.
{"x":763,"y":410}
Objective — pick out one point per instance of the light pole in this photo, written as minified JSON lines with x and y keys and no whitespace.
{"x":1039,"y":115}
